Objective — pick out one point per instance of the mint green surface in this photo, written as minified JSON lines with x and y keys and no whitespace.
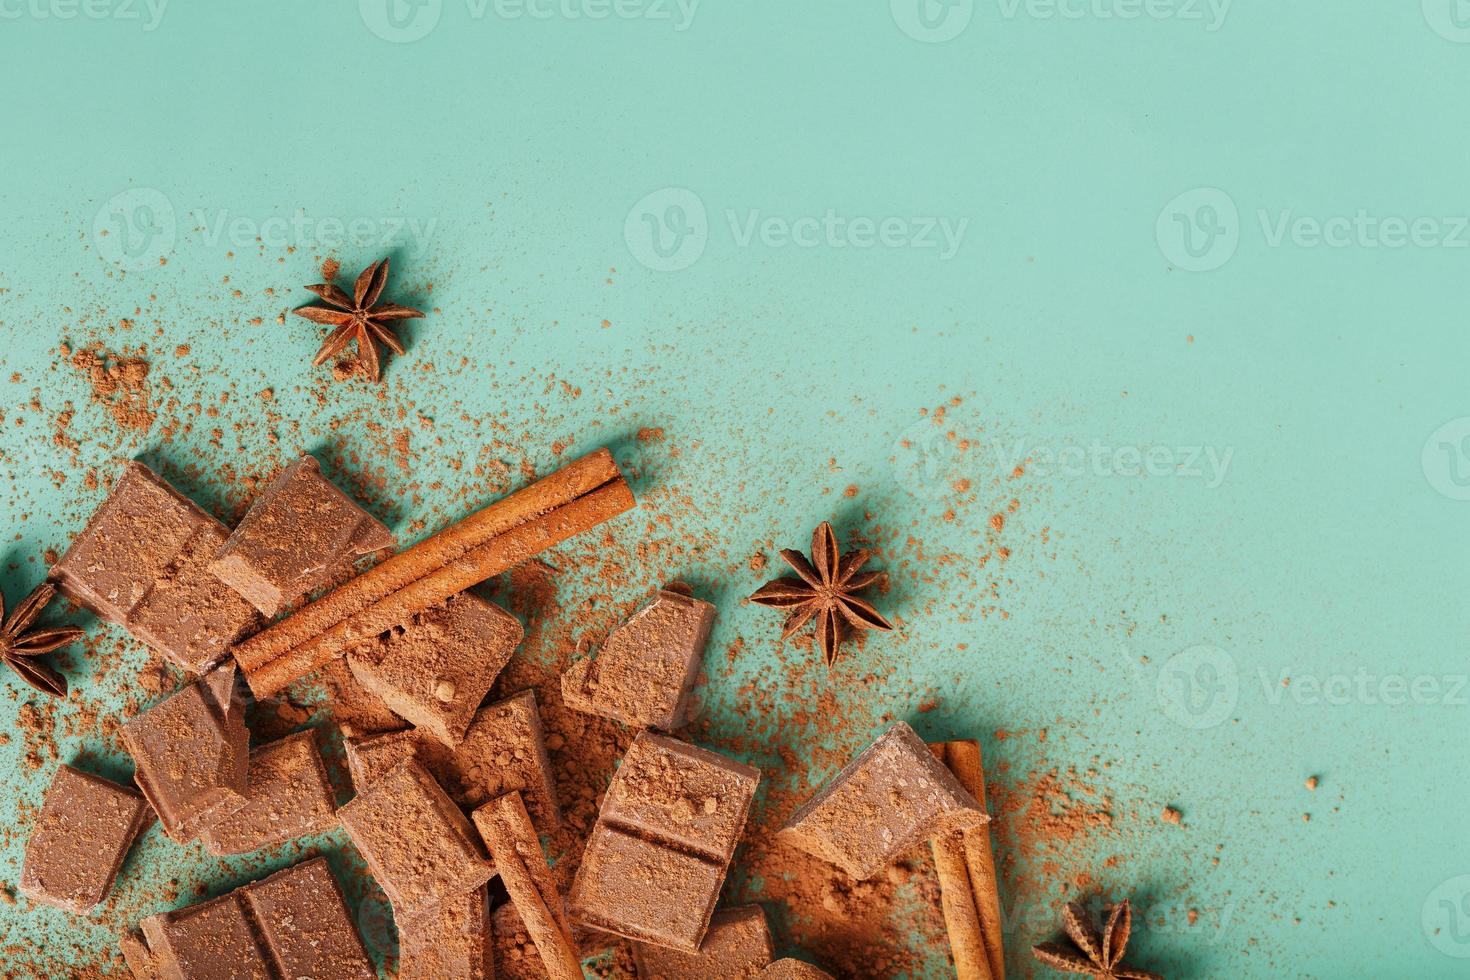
{"x":1075,"y":193}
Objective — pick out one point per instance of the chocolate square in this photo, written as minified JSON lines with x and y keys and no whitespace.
{"x":308,"y":931}
{"x":646,"y":669}
{"x":213,"y":940}
{"x":140,"y":562}
{"x":737,"y":946}
{"x":678,"y":793}
{"x":416,"y":842}
{"x":192,"y":753}
{"x":371,"y":756}
{"x":290,"y":796}
{"x":84,"y":831}
{"x":298,"y":534}
{"x":644,"y":890}
{"x":453,"y":940}
{"x":435,"y":671}
{"x":894,"y":795}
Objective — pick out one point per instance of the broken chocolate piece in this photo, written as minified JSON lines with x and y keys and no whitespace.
{"x":416,"y":842}
{"x":293,"y":924}
{"x":371,"y":756}
{"x":192,"y":754}
{"x":646,"y":669}
{"x":299,"y":532}
{"x":86,"y":826}
{"x":139,"y":958}
{"x":891,"y":797}
{"x":657,"y":858}
{"x":737,"y":945}
{"x":452,"y":940}
{"x":140,"y":562}
{"x":794,"y":970}
{"x":290,"y":796}
{"x":435,"y":671}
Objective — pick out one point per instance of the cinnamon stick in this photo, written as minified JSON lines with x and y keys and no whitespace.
{"x":569,"y":501}
{"x":957,"y":901}
{"x":511,"y":838}
{"x":973,"y":883}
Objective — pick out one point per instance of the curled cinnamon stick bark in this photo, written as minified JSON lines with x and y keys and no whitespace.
{"x":966,"y":867}
{"x":571,"y":500}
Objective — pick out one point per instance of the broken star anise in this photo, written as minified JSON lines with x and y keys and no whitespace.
{"x":1089,"y":953}
{"x":827,"y":589}
{"x":358,"y":317}
{"x":20,"y":645}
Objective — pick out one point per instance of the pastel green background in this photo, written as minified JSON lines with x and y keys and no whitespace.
{"x":1149,"y":637}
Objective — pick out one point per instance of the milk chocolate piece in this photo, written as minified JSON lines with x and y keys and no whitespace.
{"x":140,"y":959}
{"x":891,"y":797}
{"x":79,"y":841}
{"x":416,"y":842}
{"x":140,"y":562}
{"x":737,"y":945}
{"x":299,"y":532}
{"x":503,"y":751}
{"x":435,"y":671}
{"x":293,"y":924}
{"x":290,"y":796}
{"x":453,"y":940}
{"x":646,"y":669}
{"x":794,"y":970}
{"x":657,"y":858}
{"x":192,"y":753}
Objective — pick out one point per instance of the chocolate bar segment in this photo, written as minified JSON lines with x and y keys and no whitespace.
{"x":657,"y":858}
{"x":86,"y":826}
{"x":894,"y":795}
{"x":369,"y":757}
{"x":141,"y":562}
{"x":290,"y":796}
{"x":646,"y":669}
{"x":435,"y":671}
{"x":192,"y":754}
{"x":453,"y":940}
{"x":299,"y":533}
{"x":416,"y":842}
{"x":293,"y":924}
{"x":738,"y":946}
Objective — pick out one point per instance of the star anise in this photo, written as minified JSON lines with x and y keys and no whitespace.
{"x":1099,"y":956}
{"x":19,"y":644}
{"x":358,"y":317}
{"x":827,"y":589}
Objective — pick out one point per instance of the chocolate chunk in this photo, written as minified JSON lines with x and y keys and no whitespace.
{"x":290,"y":796}
{"x":737,"y":946}
{"x":139,"y":958}
{"x":308,"y":930}
{"x":891,"y":797}
{"x":452,"y":940}
{"x":293,"y":924}
{"x":668,"y":827}
{"x":192,"y":753}
{"x":84,"y":831}
{"x":646,"y":669}
{"x":435,"y":671}
{"x":416,"y":842}
{"x":503,"y":751}
{"x":794,"y":970}
{"x":298,"y":534}
{"x":141,"y":562}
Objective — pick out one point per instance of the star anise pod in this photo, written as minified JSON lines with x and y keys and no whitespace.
{"x":358,"y":317}
{"x":1099,"y":956}
{"x":19,"y":644}
{"x":827,"y":589}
